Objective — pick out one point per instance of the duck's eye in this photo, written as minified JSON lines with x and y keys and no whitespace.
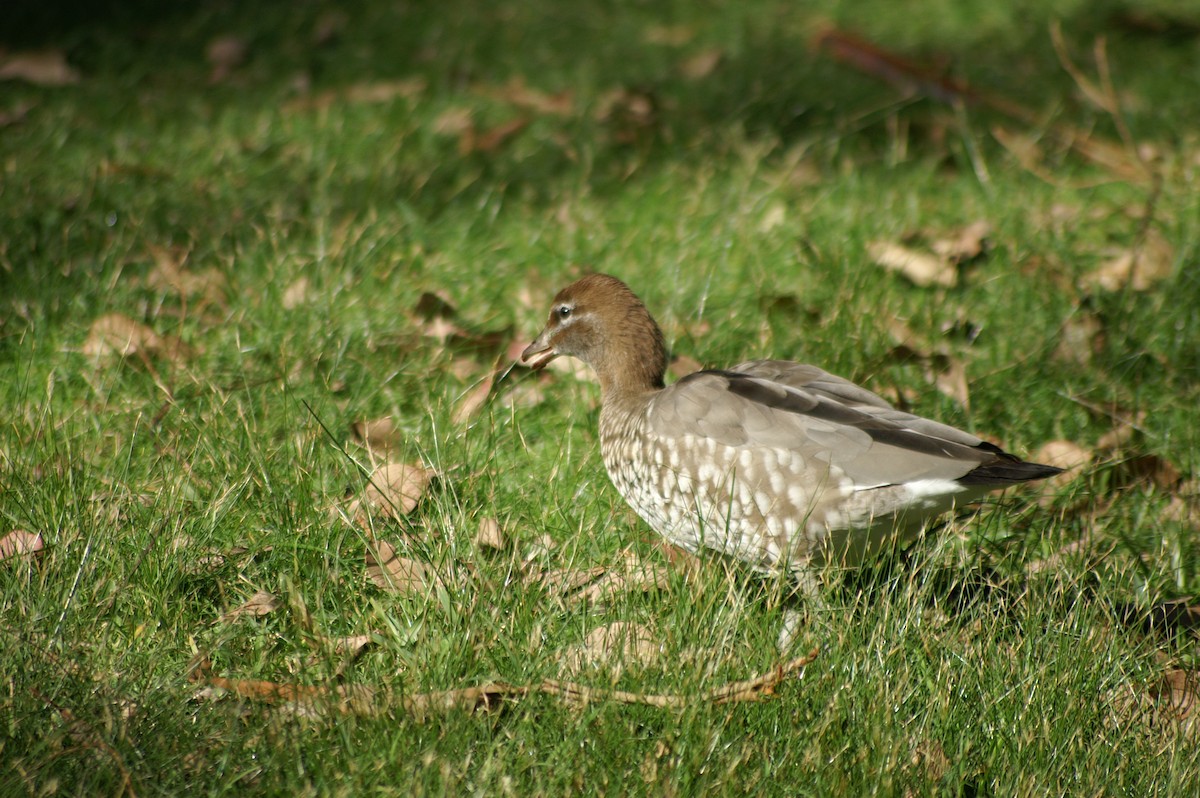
{"x":564,"y":312}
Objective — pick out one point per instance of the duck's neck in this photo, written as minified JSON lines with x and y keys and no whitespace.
{"x":633,"y":361}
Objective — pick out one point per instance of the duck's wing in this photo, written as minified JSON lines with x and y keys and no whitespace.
{"x":829,"y":421}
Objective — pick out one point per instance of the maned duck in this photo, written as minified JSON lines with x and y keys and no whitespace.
{"x":779,"y":464}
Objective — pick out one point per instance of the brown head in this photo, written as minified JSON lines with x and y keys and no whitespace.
{"x":600,"y":321}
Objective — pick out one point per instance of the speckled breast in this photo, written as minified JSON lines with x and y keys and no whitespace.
{"x":745,"y":502}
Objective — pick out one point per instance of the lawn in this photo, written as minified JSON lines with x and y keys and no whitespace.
{"x":278,"y":517}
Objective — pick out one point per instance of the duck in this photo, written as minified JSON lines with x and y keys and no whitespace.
{"x":780,"y":465}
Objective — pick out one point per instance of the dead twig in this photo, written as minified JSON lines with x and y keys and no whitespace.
{"x":364,"y":700}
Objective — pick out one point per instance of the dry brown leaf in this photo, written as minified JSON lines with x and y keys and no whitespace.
{"x":524,"y":394}
{"x":441,"y":328}
{"x":1179,"y":691}
{"x":615,"y":645}
{"x":365,"y":93}
{"x":398,"y":574}
{"x":1151,"y":468}
{"x":670,"y":35}
{"x":395,"y":488}
{"x":631,"y":114}
{"x":16,"y":114}
{"x":259,"y":604}
{"x":572,"y":367}
{"x":964,"y":244}
{"x":519,"y":93}
{"x":1122,"y":433}
{"x":490,"y":140}
{"x":41,"y":68}
{"x":1025,"y":148}
{"x":774,"y":216}
{"x":682,"y":365}
{"x":352,"y":645}
{"x":600,"y":585}
{"x":20,"y":544}
{"x":379,"y":435}
{"x":117,"y":334}
{"x":1064,"y":454}
{"x":386,"y":91}
{"x":951,"y":380}
{"x":947,"y":372}
{"x":702,"y":64}
{"x":921,"y":268}
{"x":169,"y":277}
{"x":1140,"y":268}
{"x":1067,"y":455}
{"x":473,"y":399}
{"x":224,"y":54}
{"x":453,"y":122}
{"x":1081,"y":338}
{"x":298,"y":293}
{"x":565,"y":580}
{"x":490,"y":535}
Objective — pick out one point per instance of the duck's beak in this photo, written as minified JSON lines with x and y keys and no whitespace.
{"x":539,"y":353}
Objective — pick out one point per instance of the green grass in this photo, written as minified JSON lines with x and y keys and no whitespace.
{"x":949,"y":670}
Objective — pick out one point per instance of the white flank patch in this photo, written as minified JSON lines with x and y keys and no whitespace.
{"x":922,"y":488}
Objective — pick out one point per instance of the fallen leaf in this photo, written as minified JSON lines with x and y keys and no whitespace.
{"x":1139,"y":268}
{"x":398,"y":574}
{"x":169,"y":277}
{"x":1073,"y":550}
{"x":951,"y":380}
{"x":117,"y":334}
{"x":517,"y":92}
{"x":1025,"y":148}
{"x":1067,"y":455}
{"x":373,"y":93}
{"x":670,"y":35}
{"x":1123,"y":431}
{"x":453,"y":122}
{"x":298,"y":293}
{"x":1151,"y":468}
{"x":386,"y":90}
{"x":775,"y":215}
{"x":259,"y":604}
{"x":572,"y":367}
{"x":490,"y":535}
{"x":682,"y":365}
{"x":16,"y":114}
{"x":631,"y":114}
{"x":524,"y":394}
{"x":379,"y":435}
{"x":353,"y":645}
{"x":600,"y":585}
{"x":701,"y":65}
{"x":41,"y":68}
{"x":964,"y":244}
{"x":1178,"y":691}
{"x":224,"y":54}
{"x":490,"y":140}
{"x":921,"y":268}
{"x":615,"y":645}
{"x":20,"y":544}
{"x":473,"y":399}
{"x":947,"y":373}
{"x":395,"y":488}
{"x":1081,"y":338}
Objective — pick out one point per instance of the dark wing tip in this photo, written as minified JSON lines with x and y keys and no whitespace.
{"x":1005,"y":469}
